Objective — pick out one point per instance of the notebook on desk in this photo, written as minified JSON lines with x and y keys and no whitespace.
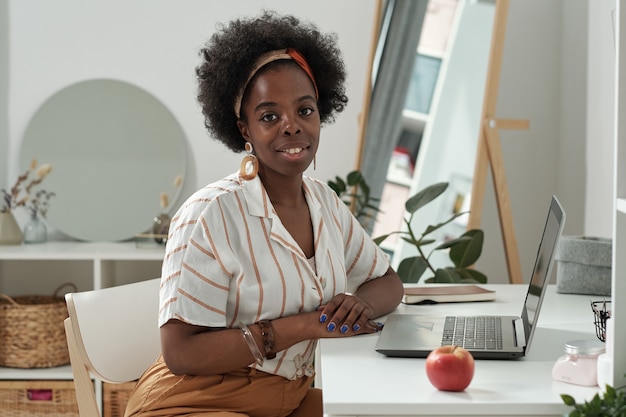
{"x":487,"y":337}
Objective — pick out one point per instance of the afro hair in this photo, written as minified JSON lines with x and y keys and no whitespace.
{"x":230,"y":54}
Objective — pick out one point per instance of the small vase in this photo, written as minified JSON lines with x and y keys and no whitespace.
{"x":161,"y":227}
{"x":10,"y":232}
{"x":35,"y":231}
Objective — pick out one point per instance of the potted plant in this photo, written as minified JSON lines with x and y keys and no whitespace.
{"x":610,"y":403}
{"x":463,"y":251}
{"x":355,"y":193}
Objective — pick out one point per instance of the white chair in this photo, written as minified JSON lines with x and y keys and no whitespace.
{"x":112,"y":334}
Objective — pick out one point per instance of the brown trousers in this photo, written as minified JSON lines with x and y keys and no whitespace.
{"x":241,"y":393}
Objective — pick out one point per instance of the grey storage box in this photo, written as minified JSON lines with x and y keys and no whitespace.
{"x":584,"y":265}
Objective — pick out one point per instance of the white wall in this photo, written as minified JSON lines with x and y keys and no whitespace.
{"x":553,"y":75}
{"x":153,"y":44}
{"x":4,"y":86}
{"x":548,"y":58}
{"x":600,"y":117}
{"x":529,"y":89}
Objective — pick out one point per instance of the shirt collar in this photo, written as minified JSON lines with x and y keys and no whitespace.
{"x":258,"y":201}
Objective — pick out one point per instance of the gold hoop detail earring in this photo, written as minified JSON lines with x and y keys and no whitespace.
{"x":314,"y":162}
{"x":250,"y":158}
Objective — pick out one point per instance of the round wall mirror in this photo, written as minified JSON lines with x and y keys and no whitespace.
{"x":114,"y":148}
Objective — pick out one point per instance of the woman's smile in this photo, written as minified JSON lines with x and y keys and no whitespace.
{"x":294,"y":152}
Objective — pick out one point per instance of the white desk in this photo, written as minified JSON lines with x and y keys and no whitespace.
{"x":358,"y":381}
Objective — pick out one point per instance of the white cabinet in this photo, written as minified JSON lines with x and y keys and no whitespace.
{"x":41,"y":268}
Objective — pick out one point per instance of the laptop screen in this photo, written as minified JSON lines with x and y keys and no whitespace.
{"x":543,"y":267}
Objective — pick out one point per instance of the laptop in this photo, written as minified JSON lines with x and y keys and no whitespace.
{"x":506,"y":337}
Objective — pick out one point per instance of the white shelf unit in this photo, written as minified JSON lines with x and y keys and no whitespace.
{"x":618,"y":288}
{"x":42,"y":268}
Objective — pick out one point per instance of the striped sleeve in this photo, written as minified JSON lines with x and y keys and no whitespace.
{"x":195,"y":279}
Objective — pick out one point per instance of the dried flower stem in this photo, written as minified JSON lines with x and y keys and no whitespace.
{"x":164,"y":199}
{"x":20,"y":194}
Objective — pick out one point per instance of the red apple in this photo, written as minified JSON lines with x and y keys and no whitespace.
{"x":450,"y":368}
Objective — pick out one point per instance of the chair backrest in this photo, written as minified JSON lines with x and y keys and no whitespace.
{"x":112,"y":334}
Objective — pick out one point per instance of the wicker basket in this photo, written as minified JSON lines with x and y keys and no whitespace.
{"x":115,"y":398}
{"x":32,"y":334}
{"x":38,"y":398}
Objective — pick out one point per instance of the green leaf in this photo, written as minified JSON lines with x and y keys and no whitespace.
{"x":610,"y":392}
{"x":446,"y":275}
{"x":366,"y":190}
{"x":425,"y":196}
{"x":452,"y":242}
{"x":568,"y":400}
{"x":371,"y":207}
{"x":472,"y":275}
{"x":338,"y":185}
{"x":432,"y":228}
{"x":417,"y":243}
{"x":381,"y":239}
{"x":411,"y":269}
{"x":355,"y":177}
{"x":467,"y":252}
{"x":334,"y":187}
{"x":595,"y":403}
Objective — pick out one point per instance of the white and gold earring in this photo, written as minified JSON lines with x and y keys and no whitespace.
{"x":246,"y":172}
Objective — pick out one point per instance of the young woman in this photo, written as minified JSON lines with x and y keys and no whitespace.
{"x":264,"y":262}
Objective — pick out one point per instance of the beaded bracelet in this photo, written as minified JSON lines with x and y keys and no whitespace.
{"x":268,"y":338}
{"x":249,"y":338}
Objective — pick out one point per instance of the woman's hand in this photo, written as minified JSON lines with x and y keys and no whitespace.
{"x":347,"y":314}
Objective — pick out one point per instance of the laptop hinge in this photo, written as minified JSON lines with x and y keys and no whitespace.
{"x":520,"y":334}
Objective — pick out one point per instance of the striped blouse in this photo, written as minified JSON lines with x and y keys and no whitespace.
{"x":229,"y":259}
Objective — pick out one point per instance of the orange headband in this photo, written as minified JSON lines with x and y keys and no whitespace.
{"x":271,"y":56}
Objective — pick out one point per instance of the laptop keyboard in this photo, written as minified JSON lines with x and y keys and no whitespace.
{"x":473,"y":332}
